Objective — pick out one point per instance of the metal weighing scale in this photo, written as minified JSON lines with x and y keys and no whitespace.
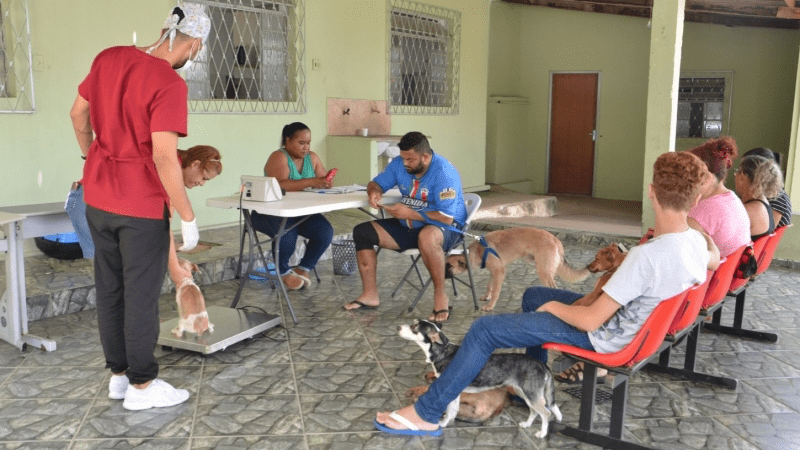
{"x":231,"y":325}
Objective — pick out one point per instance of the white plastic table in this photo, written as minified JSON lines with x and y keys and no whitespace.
{"x":21,"y":222}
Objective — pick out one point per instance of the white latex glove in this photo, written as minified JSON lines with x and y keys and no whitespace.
{"x":190,"y":235}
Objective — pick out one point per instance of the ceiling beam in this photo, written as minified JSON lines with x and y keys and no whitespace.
{"x":753,"y":13}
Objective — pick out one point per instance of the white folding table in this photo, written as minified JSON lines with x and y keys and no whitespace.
{"x":236,"y":324}
{"x":21,"y":222}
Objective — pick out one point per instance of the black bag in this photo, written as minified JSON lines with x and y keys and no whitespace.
{"x":747,"y":265}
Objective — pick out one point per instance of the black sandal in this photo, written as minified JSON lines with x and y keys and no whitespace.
{"x":441,"y":311}
{"x":574,"y":375}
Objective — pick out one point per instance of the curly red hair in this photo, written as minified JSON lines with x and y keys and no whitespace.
{"x":718,"y":154}
{"x":676,"y":180}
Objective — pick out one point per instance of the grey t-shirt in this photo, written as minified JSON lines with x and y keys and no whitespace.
{"x":652,"y":272}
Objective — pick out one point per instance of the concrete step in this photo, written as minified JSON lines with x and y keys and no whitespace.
{"x":500,"y":202}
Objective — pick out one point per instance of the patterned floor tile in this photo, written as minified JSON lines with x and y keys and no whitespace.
{"x":766,"y":431}
{"x":271,"y":442}
{"x":247,"y":379}
{"x":713,"y":400}
{"x":41,"y":419}
{"x":11,"y":356}
{"x":35,"y":445}
{"x":744,"y":365}
{"x":693,"y":433}
{"x":269,"y":347}
{"x":248,"y":415}
{"x":326,"y":350}
{"x":784,"y":390}
{"x":374,"y":440}
{"x":316,"y":327}
{"x":108,"y":419}
{"x":344,"y":412}
{"x":125,"y":444}
{"x":54,"y":382}
{"x":340,"y":378}
{"x":81,"y":349}
{"x":487,"y":437}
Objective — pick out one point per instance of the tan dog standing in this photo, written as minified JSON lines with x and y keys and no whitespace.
{"x":512,"y":244}
{"x":191,"y":305}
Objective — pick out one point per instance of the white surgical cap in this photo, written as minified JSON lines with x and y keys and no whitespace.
{"x":188,"y":18}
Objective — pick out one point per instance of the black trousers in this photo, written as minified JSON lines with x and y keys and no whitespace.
{"x":129,"y":265}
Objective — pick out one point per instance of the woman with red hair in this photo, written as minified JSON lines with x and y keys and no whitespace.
{"x":720,"y":213}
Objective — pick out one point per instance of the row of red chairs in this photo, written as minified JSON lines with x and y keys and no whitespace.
{"x":673,"y":320}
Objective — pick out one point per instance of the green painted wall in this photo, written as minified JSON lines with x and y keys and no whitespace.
{"x":348,"y":36}
{"x":542,"y":40}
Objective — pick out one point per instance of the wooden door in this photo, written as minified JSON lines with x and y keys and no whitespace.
{"x":572,"y":133}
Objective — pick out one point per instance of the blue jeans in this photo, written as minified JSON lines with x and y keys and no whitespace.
{"x":315,"y":228}
{"x":76,"y":210}
{"x":526,"y":329}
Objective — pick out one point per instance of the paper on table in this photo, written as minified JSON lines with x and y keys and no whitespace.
{"x":340,"y":189}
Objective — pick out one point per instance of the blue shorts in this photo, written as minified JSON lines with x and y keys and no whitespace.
{"x":407,"y":238}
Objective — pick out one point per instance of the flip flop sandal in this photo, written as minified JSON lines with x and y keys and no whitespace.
{"x":441,"y":311}
{"x":574,"y":375}
{"x":411,"y":429}
{"x":360,"y":306}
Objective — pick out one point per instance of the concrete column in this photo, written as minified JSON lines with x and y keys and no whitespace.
{"x":790,"y":244}
{"x":666,"y":38}
{"x":792,"y":172}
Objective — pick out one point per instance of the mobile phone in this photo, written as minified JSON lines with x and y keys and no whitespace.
{"x":330,"y":175}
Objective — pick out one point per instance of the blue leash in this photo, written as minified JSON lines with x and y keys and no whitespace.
{"x":481,"y":239}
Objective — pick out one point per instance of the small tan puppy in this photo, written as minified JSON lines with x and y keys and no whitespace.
{"x":191,"y":305}
{"x":512,"y":244}
{"x":606,"y":260}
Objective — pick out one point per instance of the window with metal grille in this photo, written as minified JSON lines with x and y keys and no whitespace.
{"x":702,"y":106}
{"x":16,"y":76}
{"x":253,"y":59}
{"x":424,"y":54}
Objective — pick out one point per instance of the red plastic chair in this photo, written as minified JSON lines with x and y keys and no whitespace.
{"x":647,"y":236}
{"x":623,"y":363}
{"x":764,"y":250}
{"x":688,"y":313}
{"x":717,"y":283}
{"x":769,"y":249}
{"x":721,"y":281}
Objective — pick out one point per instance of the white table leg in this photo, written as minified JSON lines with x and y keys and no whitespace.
{"x":13,"y":304}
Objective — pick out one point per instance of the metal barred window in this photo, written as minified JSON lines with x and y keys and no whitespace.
{"x":703,"y":105}
{"x":424,"y":44}
{"x":253,"y":61}
{"x":16,"y":74}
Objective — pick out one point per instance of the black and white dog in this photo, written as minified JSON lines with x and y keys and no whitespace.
{"x":529,"y":377}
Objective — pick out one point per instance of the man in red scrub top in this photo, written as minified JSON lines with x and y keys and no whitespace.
{"x":130,"y":111}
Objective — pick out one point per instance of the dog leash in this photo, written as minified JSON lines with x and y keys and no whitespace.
{"x":481,"y":239}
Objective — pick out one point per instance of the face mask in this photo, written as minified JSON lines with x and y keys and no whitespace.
{"x":188,"y":64}
{"x":186,"y":67}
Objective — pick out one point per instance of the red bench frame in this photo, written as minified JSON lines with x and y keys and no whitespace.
{"x":647,"y":343}
{"x":764,"y":250}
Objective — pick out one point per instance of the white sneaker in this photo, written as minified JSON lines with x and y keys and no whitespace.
{"x":117,"y":386}
{"x":159,"y":394}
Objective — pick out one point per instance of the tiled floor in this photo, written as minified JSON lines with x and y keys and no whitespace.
{"x":318,"y":384}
